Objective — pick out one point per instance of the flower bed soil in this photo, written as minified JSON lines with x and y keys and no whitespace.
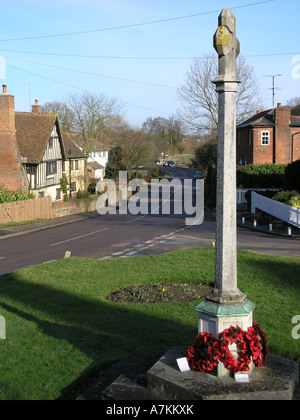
{"x":160,"y":293}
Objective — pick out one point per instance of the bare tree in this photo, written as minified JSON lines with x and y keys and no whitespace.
{"x":93,"y":117}
{"x":200,"y":100}
{"x":293,"y":101}
{"x":137,"y":149}
{"x":165,"y":133}
{"x":66,"y":116}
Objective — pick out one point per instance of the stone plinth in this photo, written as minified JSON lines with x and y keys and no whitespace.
{"x":276,"y":380}
{"x":214,"y":319}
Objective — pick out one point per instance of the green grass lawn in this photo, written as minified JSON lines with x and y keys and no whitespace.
{"x":61,"y":330}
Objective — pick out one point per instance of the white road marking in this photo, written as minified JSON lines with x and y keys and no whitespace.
{"x":134,"y":220}
{"x":79,"y":237}
{"x":189,"y":237}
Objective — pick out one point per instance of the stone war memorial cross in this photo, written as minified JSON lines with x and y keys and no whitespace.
{"x":228,"y":341}
{"x":226,"y":306}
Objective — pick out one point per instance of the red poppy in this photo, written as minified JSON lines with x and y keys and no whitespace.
{"x":251,"y":333}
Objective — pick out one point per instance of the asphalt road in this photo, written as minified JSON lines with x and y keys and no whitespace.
{"x":116,"y":236}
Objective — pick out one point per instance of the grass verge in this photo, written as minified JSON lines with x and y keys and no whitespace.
{"x":61,"y":330}
{"x":12,"y":224}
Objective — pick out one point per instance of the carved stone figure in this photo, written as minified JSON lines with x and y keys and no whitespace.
{"x":227,"y":45}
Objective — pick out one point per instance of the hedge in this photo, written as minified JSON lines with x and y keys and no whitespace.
{"x":11,"y":196}
{"x":292,"y":176}
{"x":261,"y":176}
{"x":291,"y":198}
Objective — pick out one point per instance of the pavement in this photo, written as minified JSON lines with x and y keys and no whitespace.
{"x":13,"y":231}
{"x":260,"y":223}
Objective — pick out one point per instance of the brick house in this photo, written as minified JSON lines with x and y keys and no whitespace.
{"x":271,"y":136}
{"x":32,"y":151}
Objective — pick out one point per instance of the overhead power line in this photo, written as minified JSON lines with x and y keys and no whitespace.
{"x":97,"y":56}
{"x":82,"y":90}
{"x":94,"y":74}
{"x":107,"y":57}
{"x":134,"y":25}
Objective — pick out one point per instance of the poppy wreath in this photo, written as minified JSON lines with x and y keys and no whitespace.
{"x":263,"y":344}
{"x":242,"y":340}
{"x":203,"y":356}
{"x":207,"y":351}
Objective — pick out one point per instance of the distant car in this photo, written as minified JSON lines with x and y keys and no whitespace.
{"x":171,"y":163}
{"x":198,"y":175}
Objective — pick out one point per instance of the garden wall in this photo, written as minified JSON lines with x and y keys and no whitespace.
{"x":68,"y":208}
{"x":23,"y":211}
{"x":44,"y":208}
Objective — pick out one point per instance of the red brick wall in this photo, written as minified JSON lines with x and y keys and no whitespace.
{"x":244,"y":150}
{"x":262,"y":154}
{"x":12,"y":174}
{"x":283,"y":143}
{"x":7,"y":113}
{"x":296,"y":142}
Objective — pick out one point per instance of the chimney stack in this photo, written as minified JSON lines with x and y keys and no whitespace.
{"x":12,"y":174}
{"x":36,"y":108}
{"x":7,"y":112}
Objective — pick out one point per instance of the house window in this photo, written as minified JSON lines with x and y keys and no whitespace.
{"x":58,"y":194}
{"x":265,"y":138}
{"x":51,"y":168}
{"x":50,"y":143}
{"x":73,"y":186}
{"x":30,"y":169}
{"x":75,"y":165}
{"x":250,"y":137}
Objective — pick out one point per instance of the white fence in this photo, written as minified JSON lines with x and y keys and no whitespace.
{"x":281,"y":211}
{"x":241,"y":193}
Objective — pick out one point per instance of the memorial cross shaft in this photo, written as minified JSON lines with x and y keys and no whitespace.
{"x":228,"y":48}
{"x":226,"y":305}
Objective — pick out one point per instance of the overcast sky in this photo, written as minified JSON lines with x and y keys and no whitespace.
{"x":138,"y":50}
